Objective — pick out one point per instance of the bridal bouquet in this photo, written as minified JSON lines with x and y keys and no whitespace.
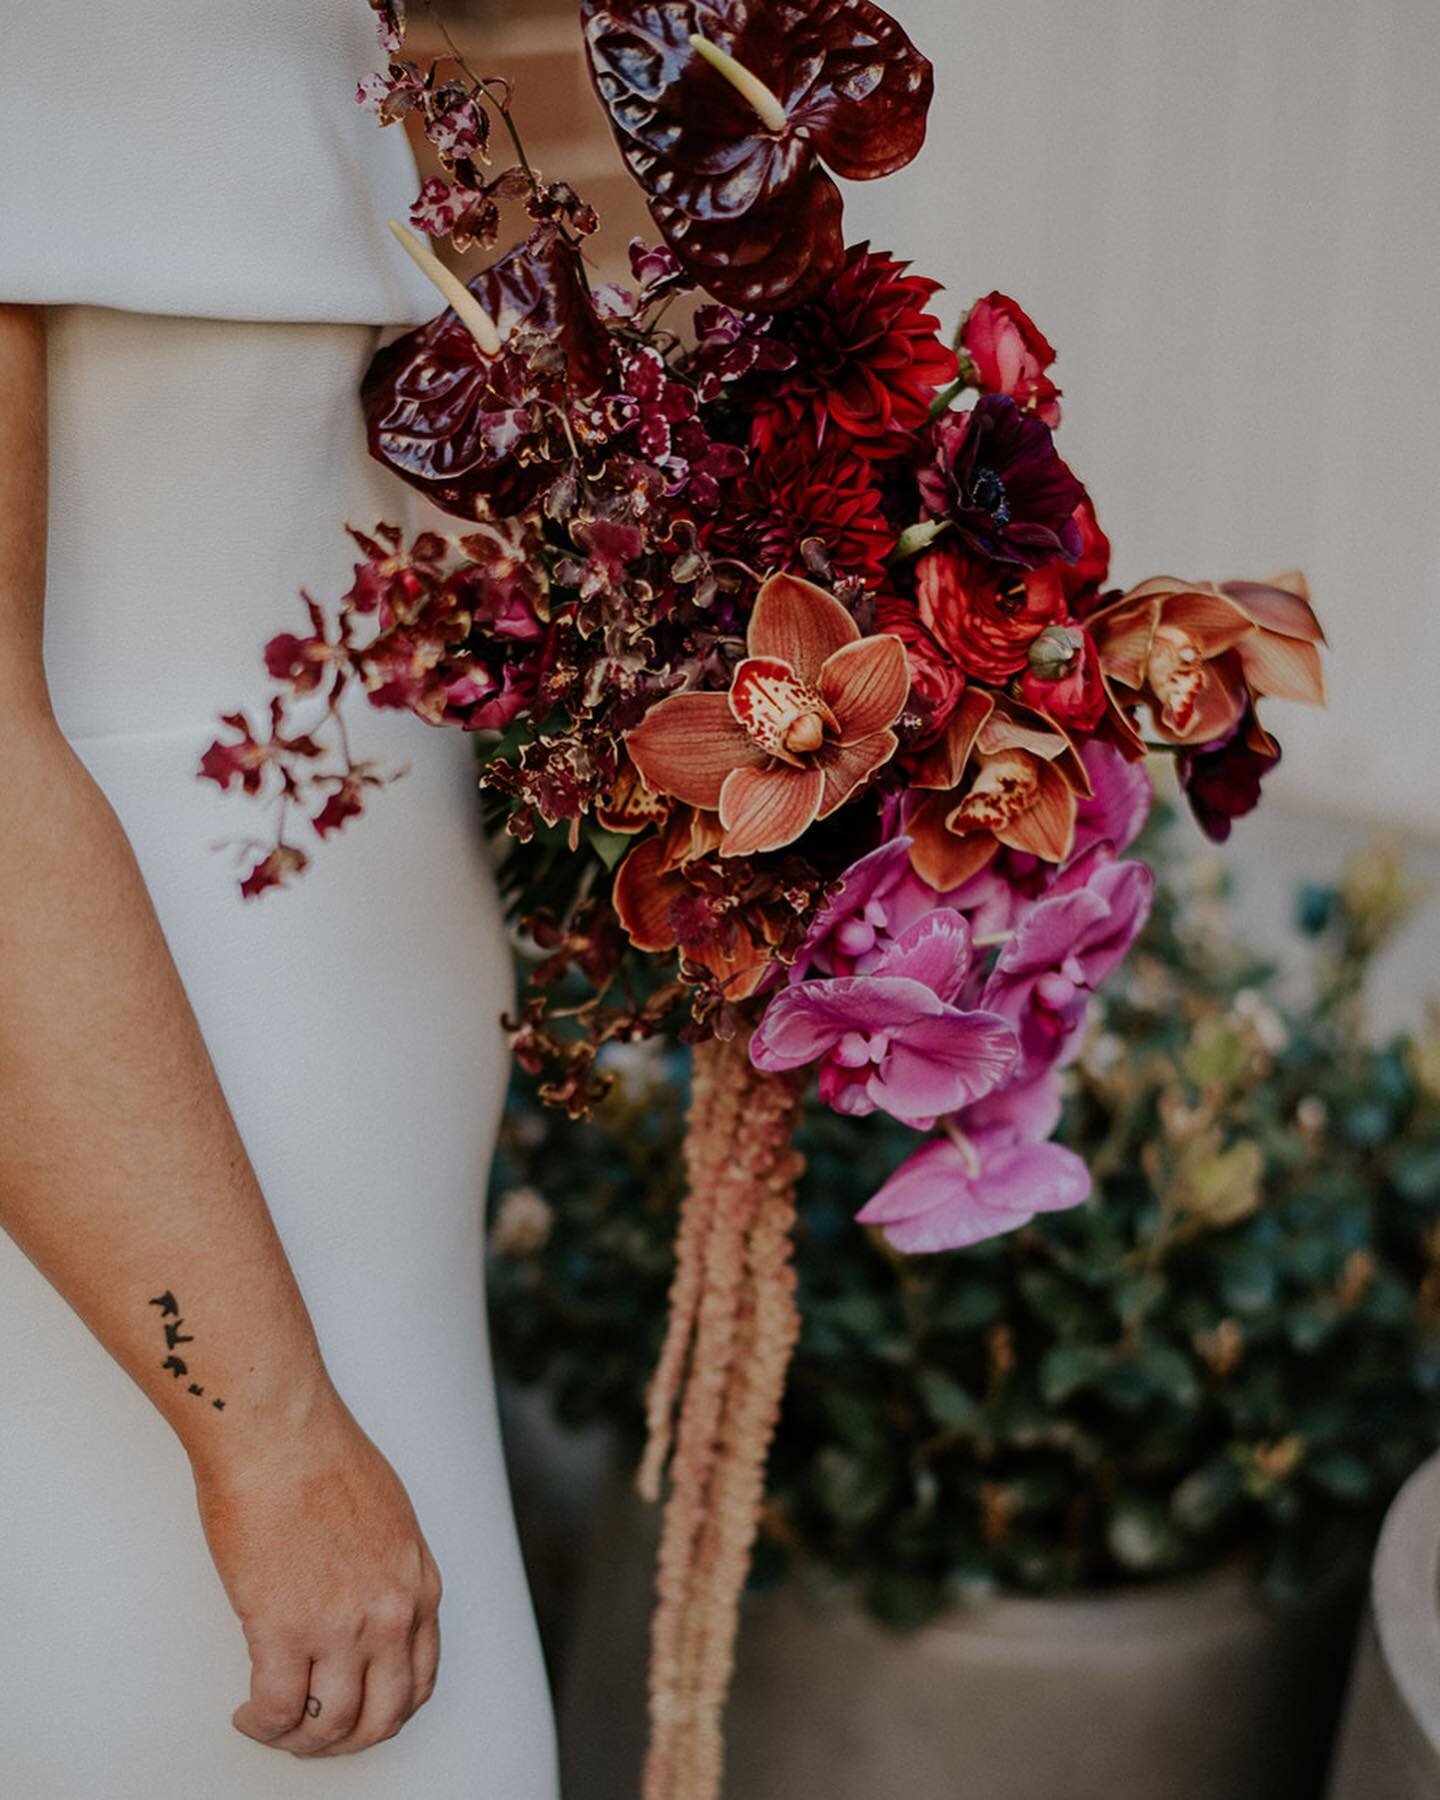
{"x":797,"y":683}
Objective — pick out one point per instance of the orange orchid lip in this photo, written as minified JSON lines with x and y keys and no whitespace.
{"x":1005,"y":777}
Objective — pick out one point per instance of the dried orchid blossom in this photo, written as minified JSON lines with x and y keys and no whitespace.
{"x":796,"y":683}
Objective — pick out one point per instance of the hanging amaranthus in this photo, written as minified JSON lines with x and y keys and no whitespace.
{"x":716,"y":1397}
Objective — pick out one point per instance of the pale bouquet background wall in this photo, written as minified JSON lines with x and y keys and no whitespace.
{"x":1225,"y":217}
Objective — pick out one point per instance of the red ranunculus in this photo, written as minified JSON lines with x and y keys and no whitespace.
{"x":936,"y":680}
{"x":986,"y":617}
{"x":1062,"y":678}
{"x":867,"y":360}
{"x":1084,"y":579}
{"x":1010,"y":354}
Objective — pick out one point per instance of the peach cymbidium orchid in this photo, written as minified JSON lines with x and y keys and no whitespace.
{"x":669,"y":895}
{"x":1197,"y":653}
{"x":807,"y":720}
{"x":1000,"y":776}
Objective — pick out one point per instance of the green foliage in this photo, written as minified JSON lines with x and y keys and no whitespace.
{"x":1233,"y":1349}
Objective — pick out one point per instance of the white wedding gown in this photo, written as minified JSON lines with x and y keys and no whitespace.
{"x":190,"y":187}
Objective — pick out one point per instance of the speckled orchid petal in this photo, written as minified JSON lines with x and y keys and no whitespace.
{"x":847,"y":766}
{"x":746,"y":207}
{"x":643,"y":895}
{"x":1046,"y":828}
{"x":1282,"y":657}
{"x":937,"y":855}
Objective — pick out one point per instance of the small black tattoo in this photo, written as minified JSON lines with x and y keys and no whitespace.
{"x":312,"y":1706}
{"x":175,"y":1335}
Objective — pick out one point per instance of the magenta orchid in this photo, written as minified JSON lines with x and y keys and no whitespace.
{"x":893,"y":1039}
{"x":1064,"y":948}
{"x":958,"y":1191}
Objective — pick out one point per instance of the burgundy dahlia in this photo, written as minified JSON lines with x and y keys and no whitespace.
{"x":867,"y":359}
{"x":801,"y":491}
{"x":998,"y":478}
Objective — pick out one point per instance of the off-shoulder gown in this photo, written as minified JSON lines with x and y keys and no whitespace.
{"x":190,"y":188}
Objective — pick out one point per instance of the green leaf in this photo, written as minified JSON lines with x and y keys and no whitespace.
{"x":1247,"y":1279}
{"x":1066,"y":1369}
{"x":1341,"y":1475}
{"x":1171,"y":1372}
{"x":905,"y":1601}
{"x":852,"y":1418}
{"x":1204,"y":1497}
{"x":1058,"y":1303}
{"x":971,"y":1305}
{"x":852,"y":1489}
{"x":609,"y":846}
{"x":1416,"y":1174}
{"x":950,"y":1405}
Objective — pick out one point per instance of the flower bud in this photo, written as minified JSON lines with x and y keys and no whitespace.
{"x":1054,"y":650}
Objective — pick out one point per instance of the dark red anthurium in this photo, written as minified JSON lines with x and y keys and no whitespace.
{"x":725,"y":111}
{"x":456,"y":422}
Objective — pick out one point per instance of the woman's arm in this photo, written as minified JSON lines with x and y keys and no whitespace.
{"x":122,"y":1176}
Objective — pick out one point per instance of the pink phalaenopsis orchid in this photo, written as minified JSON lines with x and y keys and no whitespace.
{"x":954,"y":1192}
{"x":893,"y":1039}
{"x":1063,"y":949}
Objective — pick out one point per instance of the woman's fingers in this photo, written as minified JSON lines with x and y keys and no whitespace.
{"x":425,"y":1657}
{"x":388,"y":1703}
{"x":279,"y":1683}
{"x":330,"y":1709}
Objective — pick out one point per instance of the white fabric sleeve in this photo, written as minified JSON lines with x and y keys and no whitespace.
{"x":204,"y":158}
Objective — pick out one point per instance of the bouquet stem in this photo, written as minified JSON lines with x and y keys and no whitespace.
{"x":715,"y":1399}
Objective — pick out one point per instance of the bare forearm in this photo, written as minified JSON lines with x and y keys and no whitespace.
{"x":121,"y":1172}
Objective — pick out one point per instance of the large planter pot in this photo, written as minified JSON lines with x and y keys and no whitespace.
{"x":1185,"y":1691}
{"x":1390,"y":1745}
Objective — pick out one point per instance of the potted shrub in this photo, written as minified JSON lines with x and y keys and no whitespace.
{"x":1081,"y":1510}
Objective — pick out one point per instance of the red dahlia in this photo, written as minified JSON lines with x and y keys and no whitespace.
{"x":801,"y":490}
{"x":867,"y":359}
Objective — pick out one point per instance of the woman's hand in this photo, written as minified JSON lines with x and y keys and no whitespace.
{"x":318,"y":1547}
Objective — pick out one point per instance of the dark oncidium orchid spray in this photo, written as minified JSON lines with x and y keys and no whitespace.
{"x":796,"y":684}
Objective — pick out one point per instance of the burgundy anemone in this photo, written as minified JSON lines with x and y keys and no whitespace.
{"x":998,"y":478}
{"x":735,"y":183}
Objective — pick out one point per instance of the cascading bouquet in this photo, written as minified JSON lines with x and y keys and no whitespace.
{"x":795,"y":676}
